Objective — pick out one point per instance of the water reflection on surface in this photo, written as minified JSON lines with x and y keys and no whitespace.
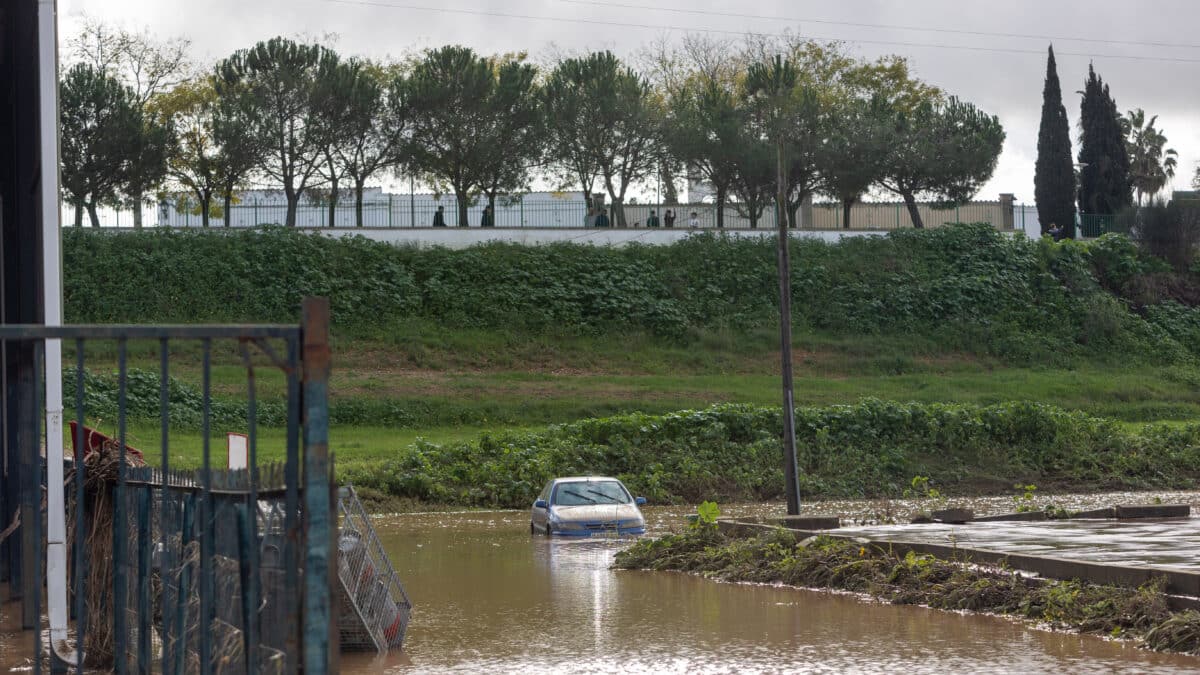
{"x":491,"y":598}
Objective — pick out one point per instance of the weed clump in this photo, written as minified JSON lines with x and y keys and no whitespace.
{"x":913,"y":579}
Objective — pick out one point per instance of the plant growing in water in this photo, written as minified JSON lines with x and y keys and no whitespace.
{"x":707,"y":514}
{"x":1024,"y":497}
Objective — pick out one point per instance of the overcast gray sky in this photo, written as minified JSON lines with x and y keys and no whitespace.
{"x":1001,"y":74}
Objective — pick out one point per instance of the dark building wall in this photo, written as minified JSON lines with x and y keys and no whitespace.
{"x":20,"y":283}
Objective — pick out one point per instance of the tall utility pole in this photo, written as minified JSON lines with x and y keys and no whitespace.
{"x":790,"y":469}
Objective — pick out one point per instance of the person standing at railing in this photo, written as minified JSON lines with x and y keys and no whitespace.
{"x":602,"y":219}
{"x":652,"y":221}
{"x":1055,"y":232}
{"x":669,"y":218}
{"x":486,"y":219}
{"x":439,"y":217}
{"x":693,"y":220}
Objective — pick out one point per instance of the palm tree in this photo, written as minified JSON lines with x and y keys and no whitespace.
{"x":1151,"y":164}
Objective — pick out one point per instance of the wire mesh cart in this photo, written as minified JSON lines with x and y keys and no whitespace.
{"x":374,"y":608}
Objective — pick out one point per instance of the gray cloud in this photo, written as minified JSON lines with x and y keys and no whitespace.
{"x":1006,"y":84}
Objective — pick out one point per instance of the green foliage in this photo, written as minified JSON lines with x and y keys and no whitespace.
{"x":288,"y":94}
{"x":944,"y":151}
{"x":1104,"y":183}
{"x":824,"y":562}
{"x":108,"y":144}
{"x":707,"y":513}
{"x":1170,"y":231}
{"x":175,"y":276}
{"x":1054,"y":174}
{"x":733,"y":453}
{"x":964,"y":287}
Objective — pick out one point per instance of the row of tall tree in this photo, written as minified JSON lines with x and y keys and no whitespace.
{"x":300,"y":118}
{"x":1122,"y":160}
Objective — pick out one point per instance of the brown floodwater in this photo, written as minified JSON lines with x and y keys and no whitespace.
{"x":491,"y":598}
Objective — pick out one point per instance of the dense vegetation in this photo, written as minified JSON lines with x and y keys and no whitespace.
{"x":1110,"y":611}
{"x":732,"y":452}
{"x":316,"y":125}
{"x":967,"y":288}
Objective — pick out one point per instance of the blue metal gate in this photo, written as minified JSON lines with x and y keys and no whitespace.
{"x":211,"y":570}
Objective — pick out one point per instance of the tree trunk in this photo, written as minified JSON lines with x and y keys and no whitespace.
{"x":791,"y":214}
{"x":847,"y":204}
{"x":721,"y":197}
{"x":228,"y":208}
{"x":333,"y":198}
{"x":92,"y":215}
{"x":78,"y":215}
{"x":670,"y":195}
{"x":137,"y":213}
{"x":358,"y":199}
{"x":461,"y":197}
{"x":618,"y":211}
{"x":913,"y":213}
{"x":205,"y":202}
{"x":293,"y":200}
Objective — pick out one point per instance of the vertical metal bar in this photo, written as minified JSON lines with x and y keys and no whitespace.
{"x":166,"y":561}
{"x":24,"y":443}
{"x":81,"y":623}
{"x":144,"y":536}
{"x":318,"y":512}
{"x":251,"y":590}
{"x":207,"y":529}
{"x":35,"y":524}
{"x":120,"y":594}
{"x":291,"y":526}
{"x":249,"y":608}
{"x":184,"y":590}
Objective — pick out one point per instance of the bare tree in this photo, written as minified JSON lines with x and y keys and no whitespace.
{"x":149,"y":66}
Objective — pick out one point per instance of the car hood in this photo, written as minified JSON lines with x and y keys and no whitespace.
{"x":594,"y":512}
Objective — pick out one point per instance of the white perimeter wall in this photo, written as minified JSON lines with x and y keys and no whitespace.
{"x":456,"y":237}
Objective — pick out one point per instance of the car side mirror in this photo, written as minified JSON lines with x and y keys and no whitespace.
{"x":640,"y":501}
{"x":540,"y":504}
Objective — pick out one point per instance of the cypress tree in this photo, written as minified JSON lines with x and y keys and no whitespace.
{"x":1054,"y":177}
{"x":1104,"y":185}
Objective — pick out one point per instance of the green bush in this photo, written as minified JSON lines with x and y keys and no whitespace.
{"x":733,"y":453}
{"x":967,"y":287}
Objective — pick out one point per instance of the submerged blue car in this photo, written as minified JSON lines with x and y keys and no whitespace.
{"x":584,"y":506}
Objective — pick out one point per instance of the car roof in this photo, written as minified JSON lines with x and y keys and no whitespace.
{"x":584,"y":479}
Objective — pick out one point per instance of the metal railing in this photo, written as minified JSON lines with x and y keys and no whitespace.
{"x":203,"y":564}
{"x":420,"y":211}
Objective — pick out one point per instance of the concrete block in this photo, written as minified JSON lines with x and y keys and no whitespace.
{"x":1027,"y":516}
{"x":954,"y":516}
{"x":1154,"y":511}
{"x":1109,"y":512}
{"x":809,"y":523}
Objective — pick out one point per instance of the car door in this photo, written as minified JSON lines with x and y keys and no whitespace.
{"x":540,"y":516}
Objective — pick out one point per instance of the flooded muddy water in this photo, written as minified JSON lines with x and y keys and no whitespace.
{"x":491,"y":598}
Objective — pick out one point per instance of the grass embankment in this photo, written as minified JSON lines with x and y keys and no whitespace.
{"x":731,"y":452}
{"x":1109,"y":611}
{"x":461,"y":347}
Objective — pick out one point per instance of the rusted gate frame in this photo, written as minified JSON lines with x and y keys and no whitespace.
{"x":308,"y":545}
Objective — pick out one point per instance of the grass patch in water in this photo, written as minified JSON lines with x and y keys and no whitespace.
{"x":826,"y":563}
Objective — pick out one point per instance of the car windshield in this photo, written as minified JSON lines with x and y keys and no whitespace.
{"x":590,"y":492}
